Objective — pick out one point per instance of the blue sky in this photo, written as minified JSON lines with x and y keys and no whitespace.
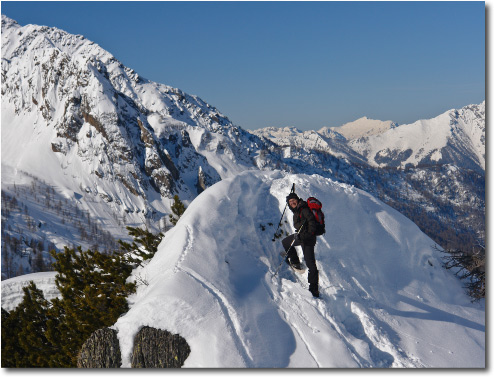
{"x":302,"y":64}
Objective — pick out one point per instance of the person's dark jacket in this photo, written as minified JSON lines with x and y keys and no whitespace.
{"x":303,"y":213}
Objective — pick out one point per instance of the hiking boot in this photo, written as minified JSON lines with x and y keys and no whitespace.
{"x":314,"y":291}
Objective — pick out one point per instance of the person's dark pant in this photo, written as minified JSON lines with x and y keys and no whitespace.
{"x":309,"y":257}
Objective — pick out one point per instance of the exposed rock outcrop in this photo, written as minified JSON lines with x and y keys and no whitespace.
{"x":201,"y":181}
{"x":154,"y":348}
{"x":101,"y":350}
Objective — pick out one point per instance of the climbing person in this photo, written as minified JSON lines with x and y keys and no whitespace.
{"x":304,"y":222}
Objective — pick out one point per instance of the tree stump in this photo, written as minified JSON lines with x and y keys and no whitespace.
{"x":101,"y":350}
{"x":154,"y":348}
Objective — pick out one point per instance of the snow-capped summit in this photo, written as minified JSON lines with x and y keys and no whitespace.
{"x":361,"y":127}
{"x":73,"y":115}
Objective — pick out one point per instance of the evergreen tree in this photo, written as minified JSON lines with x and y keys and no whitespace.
{"x":144,"y":246}
{"x":33,"y":316}
{"x":11,"y":351}
{"x":178,"y":209}
{"x":38,"y":264}
{"x":56,"y":328}
{"x":24,"y":343}
{"x":94,"y":294}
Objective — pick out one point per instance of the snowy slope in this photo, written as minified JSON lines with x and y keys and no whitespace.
{"x":119,"y":146}
{"x":12,"y":293}
{"x":386,"y":301}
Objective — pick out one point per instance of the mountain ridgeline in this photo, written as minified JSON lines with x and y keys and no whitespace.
{"x":120,"y":147}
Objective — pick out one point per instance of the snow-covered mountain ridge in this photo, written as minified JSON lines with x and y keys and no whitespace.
{"x":385,"y":299}
{"x":456,"y":137}
{"x":117,"y":146}
{"x":123,"y":130}
{"x":329,"y":141}
{"x":75,"y":116}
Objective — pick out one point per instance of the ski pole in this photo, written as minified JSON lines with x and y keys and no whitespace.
{"x":291,"y":245}
{"x":274,"y":236}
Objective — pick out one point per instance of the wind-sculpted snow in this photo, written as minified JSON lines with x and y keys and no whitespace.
{"x":385,"y":299}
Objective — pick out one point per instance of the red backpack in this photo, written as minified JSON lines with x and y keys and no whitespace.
{"x":315,"y":205}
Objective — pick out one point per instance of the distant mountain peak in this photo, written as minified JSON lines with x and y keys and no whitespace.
{"x":454,"y":137}
{"x":364,"y":127}
{"x":8,"y":21}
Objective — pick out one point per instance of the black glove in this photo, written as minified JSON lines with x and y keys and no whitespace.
{"x":297,"y":237}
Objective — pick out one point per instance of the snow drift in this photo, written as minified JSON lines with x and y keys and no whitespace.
{"x":12,"y":293}
{"x":385,"y":299}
